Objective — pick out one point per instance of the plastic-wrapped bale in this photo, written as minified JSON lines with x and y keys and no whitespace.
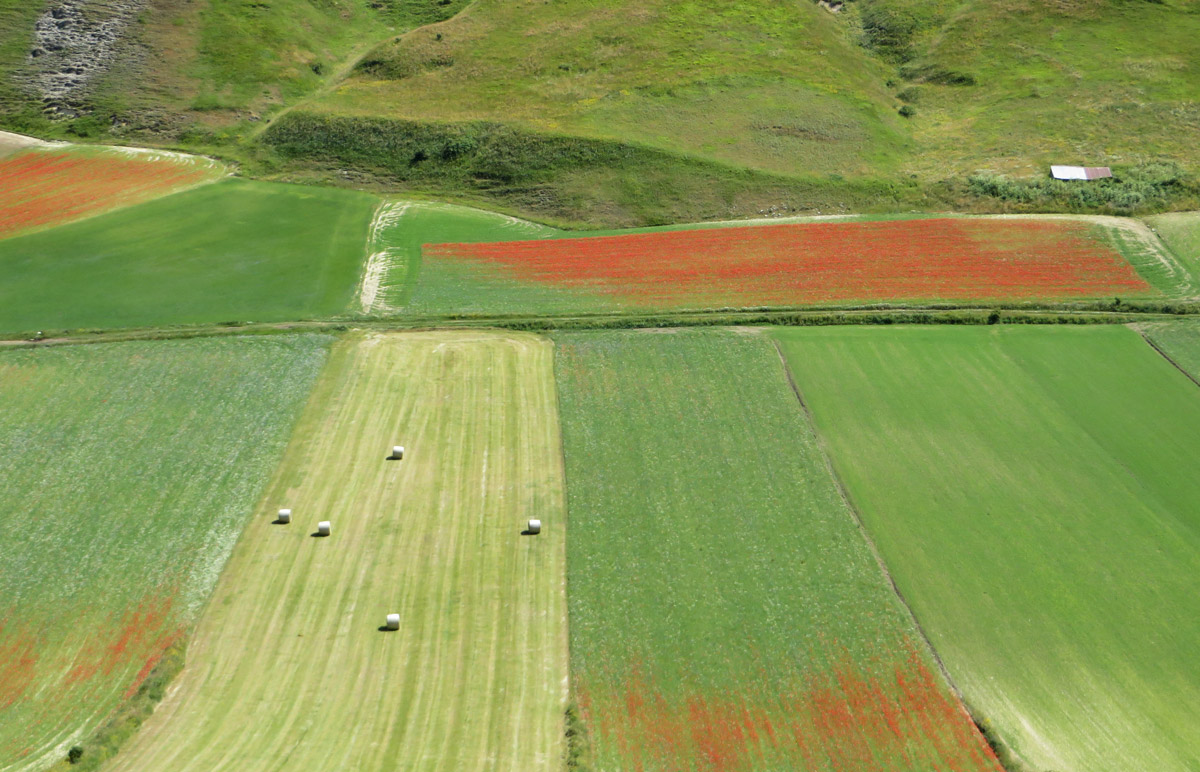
{"x":397,"y":452}
{"x":323,"y":528}
{"x":534,"y":527}
{"x":393,"y":621}
{"x":285,"y":516}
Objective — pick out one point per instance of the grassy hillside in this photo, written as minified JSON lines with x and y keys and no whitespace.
{"x":200,"y":72}
{"x":1032,"y":492}
{"x":233,"y":251}
{"x":130,"y":470}
{"x":769,"y":86}
{"x":574,"y":181}
{"x":640,"y":113}
{"x":1014,"y":85}
{"x":289,"y":662}
{"x":726,"y":612}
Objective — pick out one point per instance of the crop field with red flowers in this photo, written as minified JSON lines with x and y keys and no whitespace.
{"x":726,"y":613}
{"x":51,"y":186}
{"x":794,"y":264}
{"x":129,"y":471}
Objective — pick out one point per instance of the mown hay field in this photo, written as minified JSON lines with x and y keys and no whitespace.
{"x":289,"y":665}
{"x":725,"y":611}
{"x":48,"y":186}
{"x":231,"y":251}
{"x":129,"y":471}
{"x":1033,"y":492}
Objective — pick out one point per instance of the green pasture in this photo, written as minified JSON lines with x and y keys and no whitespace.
{"x":289,"y":667}
{"x":232,"y":251}
{"x":714,"y":569}
{"x":129,"y":472}
{"x":1032,"y":492}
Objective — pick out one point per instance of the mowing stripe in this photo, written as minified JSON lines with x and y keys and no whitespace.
{"x":289,"y":669}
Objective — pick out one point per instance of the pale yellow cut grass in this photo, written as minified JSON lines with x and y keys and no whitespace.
{"x":289,"y":669}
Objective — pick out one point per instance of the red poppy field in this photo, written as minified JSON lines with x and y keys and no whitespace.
{"x":811,"y":263}
{"x":901,"y":718}
{"x":41,"y":188}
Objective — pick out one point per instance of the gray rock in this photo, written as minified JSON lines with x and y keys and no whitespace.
{"x":74,"y":42}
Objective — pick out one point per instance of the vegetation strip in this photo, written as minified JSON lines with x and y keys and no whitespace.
{"x":129,"y":472}
{"x":1029,"y":490}
{"x":726,"y":613}
{"x":289,"y":661}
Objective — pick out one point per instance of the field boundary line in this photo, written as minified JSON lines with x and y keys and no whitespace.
{"x":1161,"y":352}
{"x":844,"y":493}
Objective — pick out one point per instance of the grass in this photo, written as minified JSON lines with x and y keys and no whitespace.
{"x":1181,"y":234}
{"x":207,"y":72}
{"x":574,"y":181}
{"x":1101,"y":82}
{"x":726,"y":613}
{"x":235,"y":250}
{"x":771,"y":87}
{"x":289,"y":663}
{"x":130,"y":470}
{"x":1031,"y":491}
{"x":623,"y":114}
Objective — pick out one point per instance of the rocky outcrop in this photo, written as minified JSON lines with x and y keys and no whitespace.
{"x":74,"y":43}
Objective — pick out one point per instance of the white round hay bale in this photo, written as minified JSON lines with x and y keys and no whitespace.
{"x":397,"y":451}
{"x":393,"y":621}
{"x":285,"y":515}
{"x":535,"y":526}
{"x":323,"y":527}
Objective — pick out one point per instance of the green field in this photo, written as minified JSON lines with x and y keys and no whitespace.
{"x":1033,"y":493}
{"x":288,"y":666}
{"x":1180,"y":232}
{"x":725,"y":611}
{"x":232,"y":251}
{"x":129,"y":472}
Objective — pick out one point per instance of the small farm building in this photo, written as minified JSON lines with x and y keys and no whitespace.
{"x":1079,"y":172}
